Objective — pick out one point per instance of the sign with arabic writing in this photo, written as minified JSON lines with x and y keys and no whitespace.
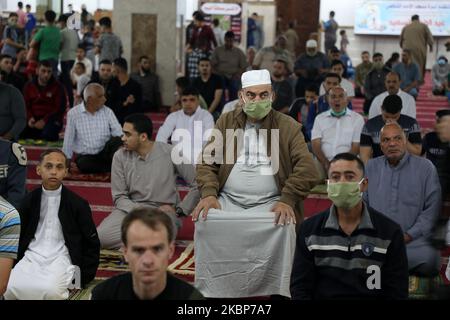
{"x":382,"y":17}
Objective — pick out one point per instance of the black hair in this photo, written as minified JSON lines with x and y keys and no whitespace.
{"x":121,"y":63}
{"x":143,"y":57}
{"x":229,"y":35}
{"x":333,"y":75}
{"x":141,"y":123}
{"x":312,"y":88}
{"x":50,"y":16}
{"x":336,"y":62}
{"x":216,"y":22}
{"x":105,"y":61}
{"x":415,"y":17}
{"x":334,"y":50}
{"x":203,"y":59}
{"x":63,"y":18}
{"x":45,"y":63}
{"x":365,"y":52}
{"x":377,"y":54}
{"x":105,"y":22}
{"x":182,"y":82}
{"x":82,"y":65}
{"x":20,"y":4}
{"x":190,"y":91}
{"x":54,"y":150}
{"x":392,"y":104}
{"x":13,"y":14}
{"x":347,"y":156}
{"x":332,"y":13}
{"x":5,"y":56}
{"x":442,"y":113}
{"x":199,"y":16}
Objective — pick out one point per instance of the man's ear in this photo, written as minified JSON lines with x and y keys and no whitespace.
{"x":125,"y":252}
{"x":38,"y":170}
{"x":171,"y":249}
{"x":364,"y":185}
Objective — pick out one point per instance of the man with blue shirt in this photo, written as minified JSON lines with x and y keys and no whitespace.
{"x":409,"y":74}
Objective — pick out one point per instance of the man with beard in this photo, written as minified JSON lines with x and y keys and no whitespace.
{"x":45,"y":100}
{"x":149,"y":81}
{"x":392,"y":84}
{"x":282,"y":88}
{"x":210,"y":87}
{"x":109,"y":83}
{"x":409,"y":74}
{"x":129,"y":97}
{"x":374,"y":81}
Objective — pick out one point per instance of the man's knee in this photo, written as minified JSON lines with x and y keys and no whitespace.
{"x":109,"y":230}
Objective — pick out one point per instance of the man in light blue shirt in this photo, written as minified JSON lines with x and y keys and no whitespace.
{"x":92,"y":132}
{"x":409,"y":74}
{"x":406,"y":188}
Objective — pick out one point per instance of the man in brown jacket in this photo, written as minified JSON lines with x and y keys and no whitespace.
{"x":241,"y":198}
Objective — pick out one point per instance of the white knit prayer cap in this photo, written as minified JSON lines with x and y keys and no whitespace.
{"x":255,"y":78}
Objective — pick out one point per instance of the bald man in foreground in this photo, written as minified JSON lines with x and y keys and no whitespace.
{"x":92,"y":132}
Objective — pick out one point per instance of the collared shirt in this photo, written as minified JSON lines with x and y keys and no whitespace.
{"x":228,"y":62}
{"x":337,"y":133}
{"x":87,"y":133}
{"x":409,"y":193}
{"x":179,"y":120}
{"x":408,"y":104}
{"x":408,"y":73}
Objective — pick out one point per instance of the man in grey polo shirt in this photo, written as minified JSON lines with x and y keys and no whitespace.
{"x":143,"y":174}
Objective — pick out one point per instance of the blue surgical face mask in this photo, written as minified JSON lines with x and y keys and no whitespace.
{"x":441,"y":62}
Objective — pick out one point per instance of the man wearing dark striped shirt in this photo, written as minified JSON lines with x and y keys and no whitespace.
{"x":349,"y":251}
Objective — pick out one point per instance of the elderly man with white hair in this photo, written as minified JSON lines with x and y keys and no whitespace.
{"x":252,"y":197}
{"x":92,"y":132}
{"x":335,"y":131}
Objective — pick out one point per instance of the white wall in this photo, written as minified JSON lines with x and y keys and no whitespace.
{"x":345,"y":10}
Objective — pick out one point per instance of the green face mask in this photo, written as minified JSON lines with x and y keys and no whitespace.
{"x":258,"y":109}
{"x":344,"y":195}
{"x":338,"y":114}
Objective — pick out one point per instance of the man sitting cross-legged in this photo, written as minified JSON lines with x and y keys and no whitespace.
{"x":58,"y":240}
{"x":93,"y":132}
{"x":143,"y":174}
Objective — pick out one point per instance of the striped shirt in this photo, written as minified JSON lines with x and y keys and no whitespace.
{"x":9,"y":230}
{"x":329,"y":264}
{"x":87,"y":133}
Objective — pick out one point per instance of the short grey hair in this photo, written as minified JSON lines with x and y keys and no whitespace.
{"x":337,"y":87}
{"x":89,"y":90}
